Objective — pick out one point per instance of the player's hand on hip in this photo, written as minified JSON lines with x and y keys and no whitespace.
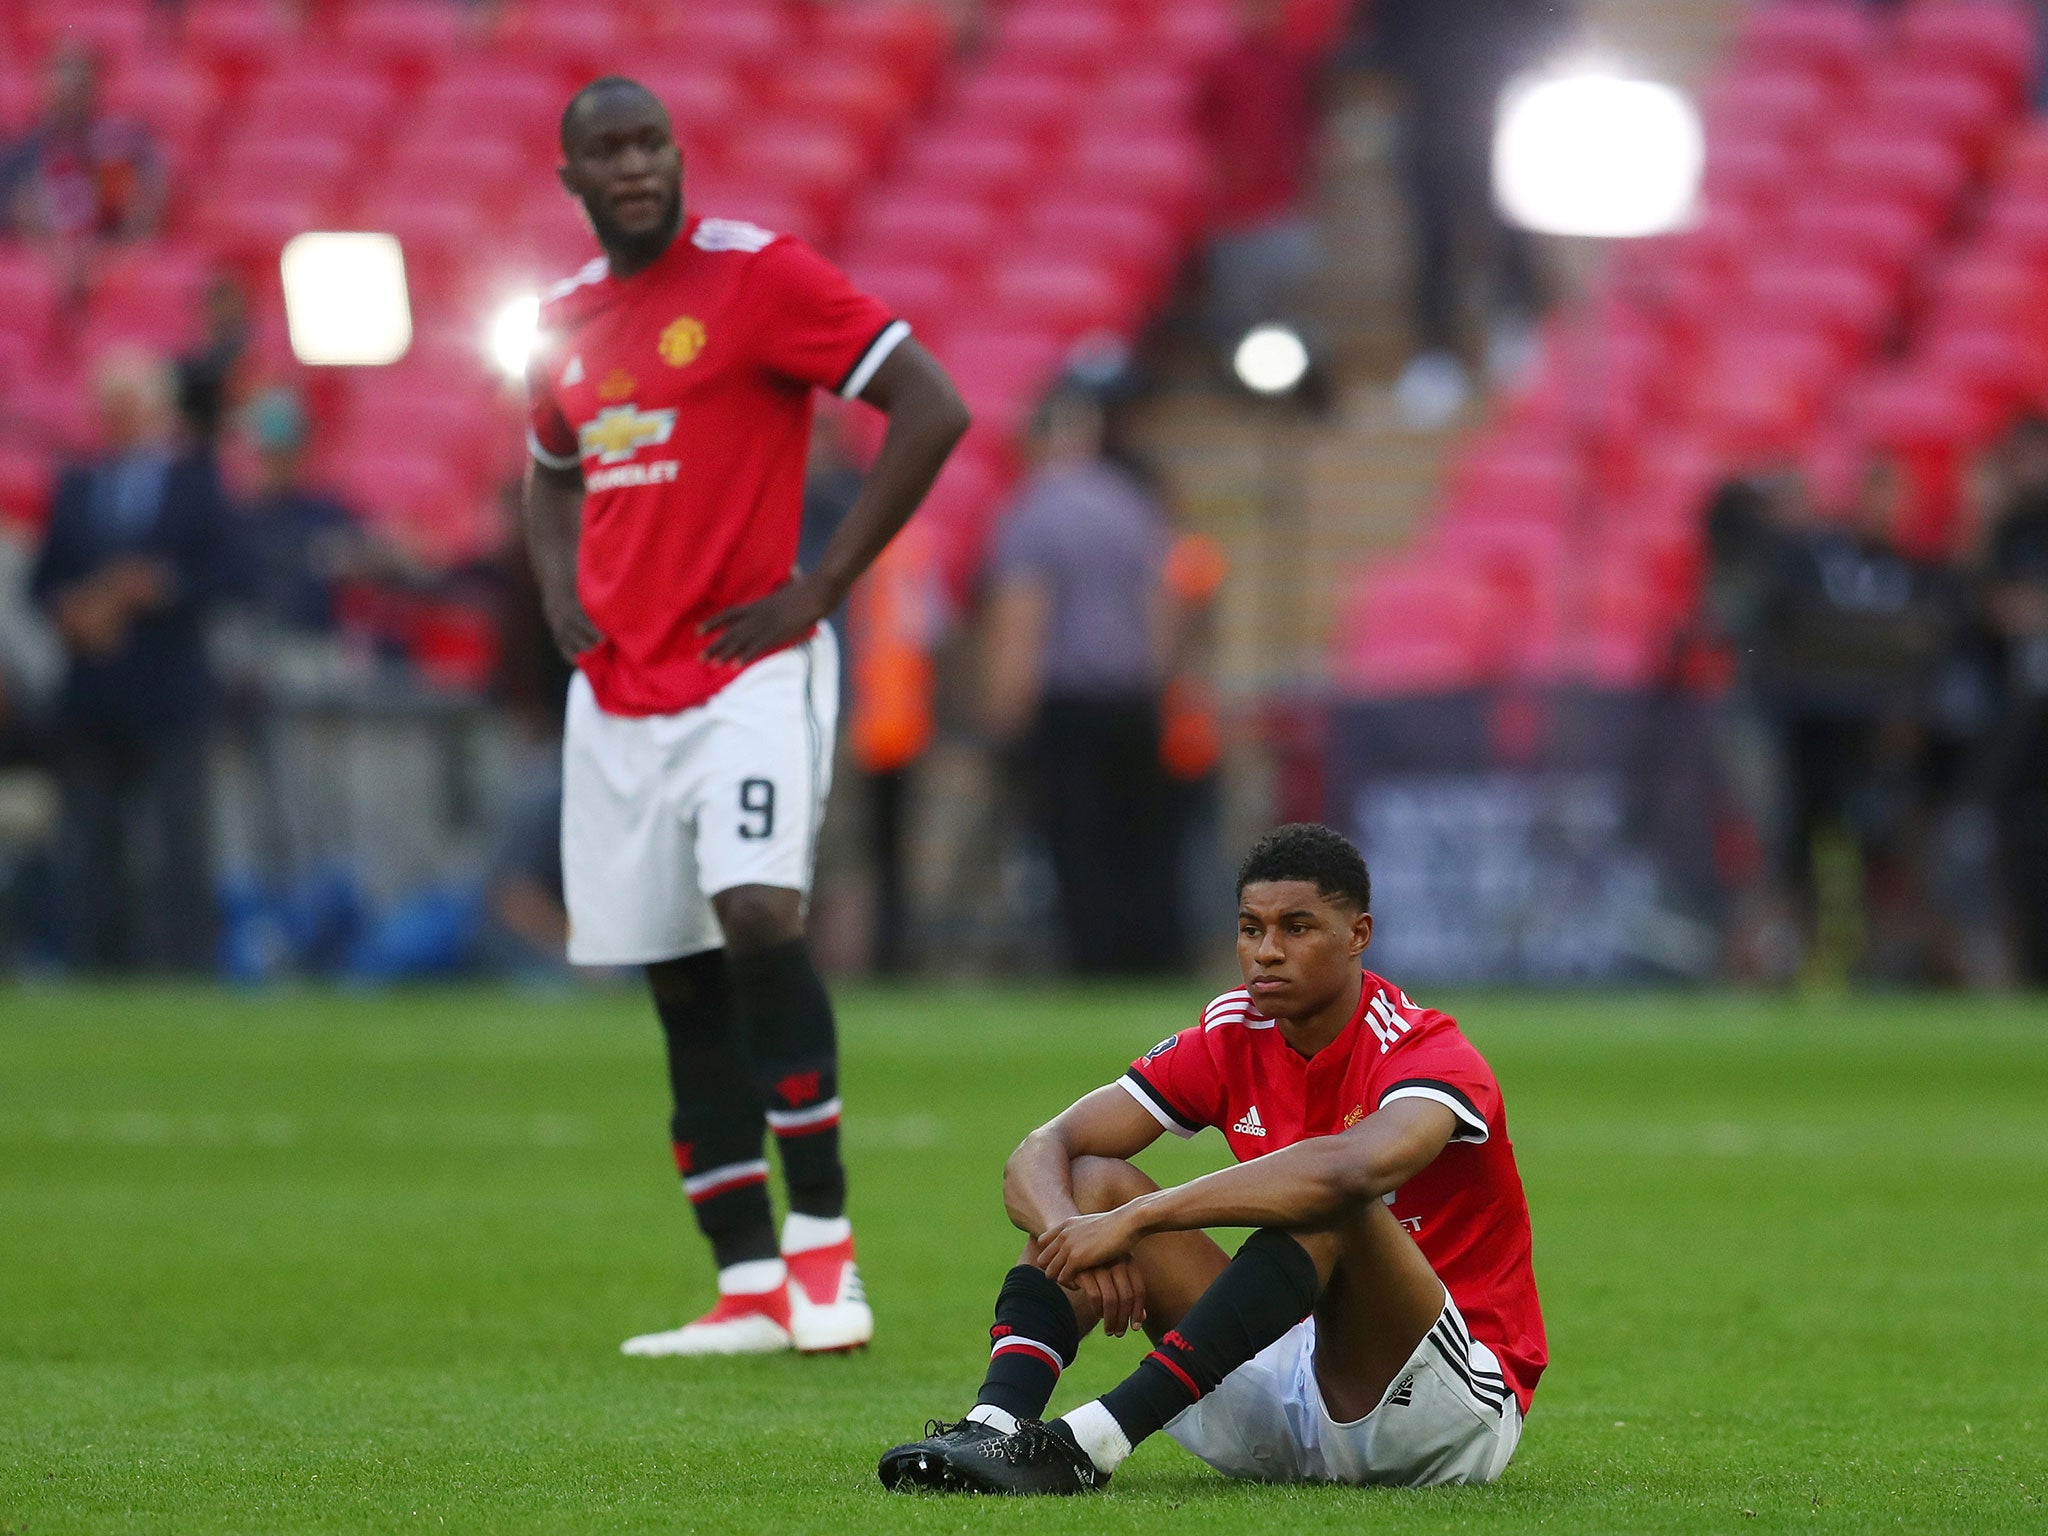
{"x":570,"y":625}
{"x":752,"y":630}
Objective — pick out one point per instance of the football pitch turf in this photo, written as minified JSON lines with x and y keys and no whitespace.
{"x":325,"y":1262}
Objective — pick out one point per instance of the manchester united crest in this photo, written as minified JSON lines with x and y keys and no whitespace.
{"x":682,"y":341}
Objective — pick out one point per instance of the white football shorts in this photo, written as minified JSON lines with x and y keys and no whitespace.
{"x":1448,"y":1417}
{"x":662,"y":812}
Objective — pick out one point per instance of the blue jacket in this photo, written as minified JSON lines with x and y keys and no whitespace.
{"x":158,"y":681}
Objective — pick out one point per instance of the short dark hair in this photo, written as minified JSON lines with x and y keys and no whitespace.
{"x":1308,"y":850}
{"x":602,"y":85}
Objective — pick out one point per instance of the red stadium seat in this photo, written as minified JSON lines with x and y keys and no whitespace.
{"x":415,"y":499}
{"x":995,"y":169}
{"x":1841,"y":297}
{"x":115,"y":29}
{"x":1191,"y":32}
{"x":749,"y":37}
{"x":863,"y":96}
{"x":1886,"y":237}
{"x":1041,"y":104}
{"x":1748,"y":171}
{"x":1963,"y":106}
{"x":1159,"y":95}
{"x":780,"y":210}
{"x":1760,"y":391}
{"x":1990,"y":286}
{"x":1023,"y":362}
{"x":469,"y":167}
{"x":707,"y":106}
{"x":792,"y":154}
{"x":26,"y":478}
{"x":490,"y":92}
{"x":313,"y":163}
{"x":313,"y":97}
{"x":1781,"y":104}
{"x":1901,"y":162}
{"x":174,"y":97}
{"x":907,"y":36}
{"x":158,"y":275}
{"x":1166,"y":170}
{"x":392,"y":419}
{"x":548,"y":235}
{"x":1076,"y":38}
{"x":236,"y":37}
{"x":952,"y":232}
{"x":585,"y":38}
{"x":1994,"y":38}
{"x":1135,"y":238}
{"x":925,"y":294}
{"x":249,"y":225}
{"x":444,"y":238}
{"x":1831,"y":35}
{"x":2001,"y":368}
{"x":2016,"y":221}
{"x":30,"y":295}
{"x":20,"y":95}
{"x":1060,"y":293}
{"x":413,"y":37}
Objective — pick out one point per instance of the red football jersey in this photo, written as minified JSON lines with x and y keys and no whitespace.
{"x":1235,"y":1071}
{"x":684,"y":394}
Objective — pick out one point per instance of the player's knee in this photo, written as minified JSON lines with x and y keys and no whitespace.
{"x":758,"y":917}
{"x":1104,"y":1183}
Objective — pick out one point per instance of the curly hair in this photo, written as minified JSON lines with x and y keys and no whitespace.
{"x":1308,"y":850}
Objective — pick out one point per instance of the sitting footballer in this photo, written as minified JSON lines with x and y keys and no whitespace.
{"x":1380,"y":1325}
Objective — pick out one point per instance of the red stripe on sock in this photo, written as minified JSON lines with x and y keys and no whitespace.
{"x":1029,"y":1347}
{"x":726,"y":1187}
{"x":1186,"y":1380}
{"x":806,"y":1130}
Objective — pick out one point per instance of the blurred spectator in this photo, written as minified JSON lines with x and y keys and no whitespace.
{"x":2016,"y":609}
{"x":130,"y":569}
{"x":526,"y":924}
{"x":298,"y":543}
{"x":31,"y":656}
{"x":1072,"y":674}
{"x":79,"y":176}
{"x":1855,"y":636}
{"x":1452,"y":58}
{"x":1257,"y":112}
{"x":206,"y":375}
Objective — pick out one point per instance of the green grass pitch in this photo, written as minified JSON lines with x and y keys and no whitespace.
{"x":324,"y":1262}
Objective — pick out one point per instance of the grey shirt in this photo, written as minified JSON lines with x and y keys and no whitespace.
{"x":1097,"y":541}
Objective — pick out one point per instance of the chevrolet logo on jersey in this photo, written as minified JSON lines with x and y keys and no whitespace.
{"x":618,"y":432}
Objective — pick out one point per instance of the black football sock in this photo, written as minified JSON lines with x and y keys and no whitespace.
{"x":1269,"y":1287}
{"x":1035,"y":1338}
{"x":786,"y":1018}
{"x":718,"y":1126}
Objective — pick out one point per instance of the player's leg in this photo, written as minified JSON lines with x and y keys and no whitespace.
{"x":759,"y":795}
{"x":1039,"y":1326}
{"x":629,"y":879}
{"x":1389,"y":1298}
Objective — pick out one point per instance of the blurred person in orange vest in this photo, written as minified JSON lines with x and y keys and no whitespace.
{"x":1072,"y":679}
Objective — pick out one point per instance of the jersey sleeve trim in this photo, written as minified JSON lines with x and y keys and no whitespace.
{"x":1155,"y":1103}
{"x":551,"y":460}
{"x":1471,"y":1124}
{"x":886,"y":341}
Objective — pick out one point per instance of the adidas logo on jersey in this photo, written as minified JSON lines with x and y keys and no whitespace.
{"x":1250,"y":1125}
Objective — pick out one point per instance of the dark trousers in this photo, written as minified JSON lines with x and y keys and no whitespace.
{"x":1447,"y":179}
{"x":1106,"y":809}
{"x":137,"y":863}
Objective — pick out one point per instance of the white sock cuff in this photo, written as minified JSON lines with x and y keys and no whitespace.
{"x":1098,"y":1433}
{"x":801,"y":1233}
{"x":756,"y":1277}
{"x":1000,"y":1419}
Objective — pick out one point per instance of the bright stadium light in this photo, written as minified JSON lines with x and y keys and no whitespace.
{"x":1591,"y":153}
{"x":1271,"y":360}
{"x":513,"y":330}
{"x":345,"y":299}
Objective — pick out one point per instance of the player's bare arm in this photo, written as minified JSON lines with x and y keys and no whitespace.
{"x":926,"y":418}
{"x":552,"y":513}
{"x":1038,"y":1194}
{"x":1303,"y":1187}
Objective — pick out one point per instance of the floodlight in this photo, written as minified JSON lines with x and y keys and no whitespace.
{"x":513,"y":330}
{"x":345,"y":299}
{"x":1271,"y":360}
{"x":1593,"y":153}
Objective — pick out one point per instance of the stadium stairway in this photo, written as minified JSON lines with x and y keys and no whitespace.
{"x":1294,"y":500}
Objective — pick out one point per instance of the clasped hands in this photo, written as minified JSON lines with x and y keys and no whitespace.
{"x":1092,"y":1255}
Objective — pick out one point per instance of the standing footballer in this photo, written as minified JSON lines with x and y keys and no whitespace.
{"x":671,"y":411}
